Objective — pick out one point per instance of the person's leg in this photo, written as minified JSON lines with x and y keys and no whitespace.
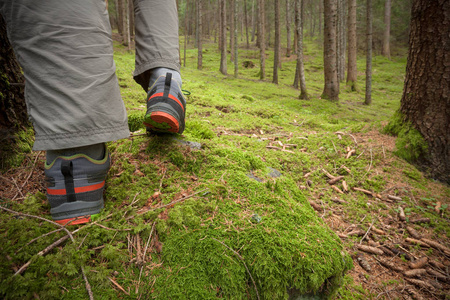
{"x":157,"y":54}
{"x":65,"y":50}
{"x":72,"y":95}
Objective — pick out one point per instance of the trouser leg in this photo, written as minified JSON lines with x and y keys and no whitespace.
{"x":71,"y":90}
{"x":156,"y":24}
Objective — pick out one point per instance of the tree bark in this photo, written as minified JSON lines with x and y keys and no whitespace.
{"x":386,"y":49}
{"x":426,"y":95}
{"x":223,"y":38}
{"x":199,"y":35}
{"x":288,"y":30}
{"x":352,"y":71}
{"x":368,"y":97}
{"x":235,"y":49}
{"x":131,"y":18}
{"x":246,"y":23}
{"x":277,"y":46}
{"x":13,"y":111}
{"x":119,"y":12}
{"x":232,"y":27}
{"x":331,"y":88}
{"x":300,"y":71}
{"x":262,"y":41}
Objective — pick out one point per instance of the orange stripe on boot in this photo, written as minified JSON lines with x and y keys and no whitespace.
{"x":170,"y":96}
{"x":81,"y":189}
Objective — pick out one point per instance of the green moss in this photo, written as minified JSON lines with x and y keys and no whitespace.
{"x":410,"y":143}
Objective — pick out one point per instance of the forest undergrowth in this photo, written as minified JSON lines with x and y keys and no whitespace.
{"x":264,"y":196}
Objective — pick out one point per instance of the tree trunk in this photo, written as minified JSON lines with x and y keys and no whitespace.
{"x":300,"y":68}
{"x":426,"y":95}
{"x":277,"y":46}
{"x":262,"y":41}
{"x":352,"y":71}
{"x":131,"y":18}
{"x":253,"y":21}
{"x":341,"y":40}
{"x":386,"y":49}
{"x":119,"y":12}
{"x":13,"y":111}
{"x":246,"y":23}
{"x":232,"y":27}
{"x":368,"y":98}
{"x":331,"y":88}
{"x":320,"y":16}
{"x":235,"y":50}
{"x":199,"y":35}
{"x":223,"y":38}
{"x":185,"y":32}
{"x":288,"y":30}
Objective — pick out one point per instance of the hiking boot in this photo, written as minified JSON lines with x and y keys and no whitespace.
{"x":166,"y":106}
{"x":75,"y":187}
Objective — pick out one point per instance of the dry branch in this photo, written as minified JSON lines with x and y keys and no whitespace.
{"x":390,"y":265}
{"x":420,"y":283}
{"x":363,"y":263}
{"x":315,"y":206}
{"x":420,"y":263}
{"x":417,"y":242}
{"x":369,"y":249}
{"x":345,"y":186}
{"x":395,"y":198}
{"x":436,"y":274}
{"x":420,"y":220}
{"x":350,"y":153}
{"x":328,"y":174}
{"x":337,"y":189}
{"x":401,"y":214}
{"x":334,"y":180}
{"x":413,"y":232}
{"x":436,"y":245}
{"x":118,"y":286}
{"x":415,"y":273}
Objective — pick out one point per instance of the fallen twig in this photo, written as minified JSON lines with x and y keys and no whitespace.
{"x":118,"y":286}
{"x":32,"y":169}
{"x":245,"y":265}
{"x":171,"y":203}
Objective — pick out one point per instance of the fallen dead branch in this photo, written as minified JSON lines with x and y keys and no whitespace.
{"x":436,"y":274}
{"x":328,"y":174}
{"x":420,"y":263}
{"x":401,"y":214}
{"x":378,"y":231}
{"x":436,"y":245}
{"x":417,"y":242}
{"x":118,"y":286}
{"x":390,"y":265}
{"x":363,"y":263}
{"x":413,"y":232}
{"x":395,"y":198}
{"x":370,"y":249}
{"x":245,"y":265}
{"x":362,"y":190}
{"x":337,"y":189}
{"x":171,"y":203}
{"x":316,"y":206}
{"x":350,"y":153}
{"x":334,"y":180}
{"x":420,"y":220}
{"x":415,"y":273}
{"x":345,"y":186}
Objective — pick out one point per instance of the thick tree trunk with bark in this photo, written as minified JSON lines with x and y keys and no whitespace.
{"x":351,"y":70}
{"x":426,"y":95}
{"x":300,"y":71}
{"x":386,"y":49}
{"x":13,"y":111}
{"x":232,"y":26}
{"x":331,"y":88}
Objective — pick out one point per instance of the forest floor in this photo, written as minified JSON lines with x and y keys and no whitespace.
{"x":244,"y":138}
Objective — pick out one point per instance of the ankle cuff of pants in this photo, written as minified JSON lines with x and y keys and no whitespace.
{"x":81,"y":138}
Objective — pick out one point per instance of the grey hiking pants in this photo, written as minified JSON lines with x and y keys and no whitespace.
{"x":66,"y":53}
